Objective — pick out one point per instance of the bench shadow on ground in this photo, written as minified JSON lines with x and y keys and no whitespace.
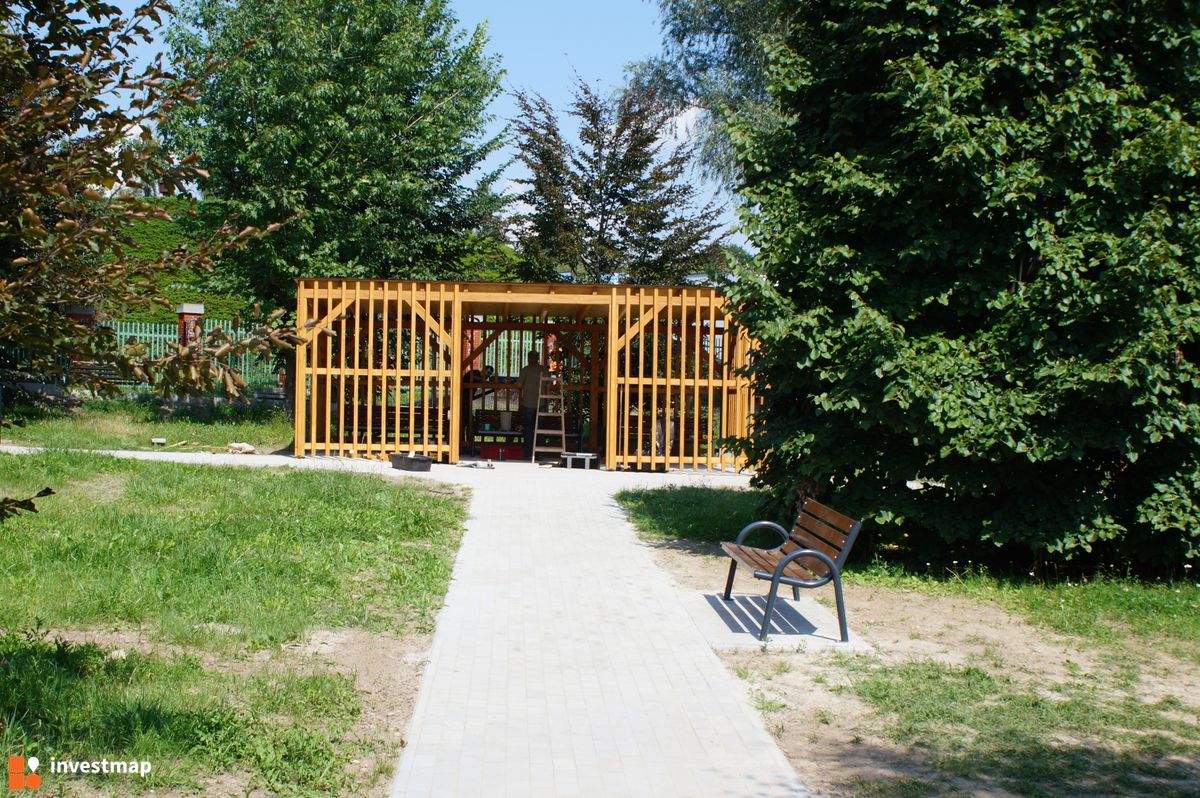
{"x":744,"y":615}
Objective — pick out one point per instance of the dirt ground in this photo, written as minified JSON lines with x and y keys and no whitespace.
{"x":837,"y":742}
{"x":386,"y":670}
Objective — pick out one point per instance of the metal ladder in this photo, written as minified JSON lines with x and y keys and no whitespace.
{"x":550,"y":406}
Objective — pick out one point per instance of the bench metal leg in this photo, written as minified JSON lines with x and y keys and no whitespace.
{"x":796,"y":592}
{"x":774,"y":594}
{"x":729,"y":581}
{"x":841,"y":606}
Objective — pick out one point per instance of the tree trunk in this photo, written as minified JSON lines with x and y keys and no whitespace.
{"x":289,"y":389}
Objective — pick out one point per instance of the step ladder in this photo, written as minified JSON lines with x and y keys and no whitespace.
{"x":550,"y":422}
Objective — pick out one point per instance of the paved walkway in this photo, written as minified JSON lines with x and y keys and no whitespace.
{"x":564,"y":661}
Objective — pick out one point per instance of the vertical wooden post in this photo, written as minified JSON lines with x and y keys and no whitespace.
{"x":456,"y":367}
{"x":442,"y":384}
{"x":696,"y":339}
{"x":712,"y":353}
{"x":400,"y":364}
{"x":630,"y":336}
{"x":412,"y":365}
{"x":610,"y":384}
{"x":668,"y":405}
{"x":654,"y":382}
{"x":369,"y":435}
{"x":299,"y":402}
{"x":384,"y":329}
{"x":327,"y":370}
{"x":315,"y":348}
{"x":344,"y":351}
{"x":593,"y":388}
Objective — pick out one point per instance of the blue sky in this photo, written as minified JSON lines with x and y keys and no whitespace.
{"x":543,"y":43}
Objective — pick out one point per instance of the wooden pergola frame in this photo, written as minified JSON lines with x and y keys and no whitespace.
{"x":396,"y":366}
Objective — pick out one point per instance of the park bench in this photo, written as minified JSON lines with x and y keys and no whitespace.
{"x":810,"y":556}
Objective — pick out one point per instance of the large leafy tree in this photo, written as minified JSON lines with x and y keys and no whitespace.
{"x":362,"y":122}
{"x":979,"y":297}
{"x":77,"y":157}
{"x":715,"y":59}
{"x":615,"y":205}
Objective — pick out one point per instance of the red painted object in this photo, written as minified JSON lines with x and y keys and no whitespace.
{"x":493,"y":451}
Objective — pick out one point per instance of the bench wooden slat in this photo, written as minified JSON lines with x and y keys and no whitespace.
{"x":763,"y":560}
{"x":803,"y":542}
{"x":830,"y":516}
{"x":811,"y":527}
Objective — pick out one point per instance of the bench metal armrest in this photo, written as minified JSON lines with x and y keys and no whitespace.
{"x":746,"y":530}
{"x":819,"y":555}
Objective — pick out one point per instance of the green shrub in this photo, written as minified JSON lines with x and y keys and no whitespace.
{"x":977,"y":290}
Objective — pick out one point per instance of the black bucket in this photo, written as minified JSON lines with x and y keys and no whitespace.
{"x":411,"y":462}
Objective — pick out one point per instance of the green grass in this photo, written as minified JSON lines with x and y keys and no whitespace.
{"x":66,"y":701}
{"x":130,"y":424}
{"x":1102,"y":610}
{"x":1083,"y":737}
{"x":680,"y":514}
{"x":261,"y":555}
{"x":221,"y":560}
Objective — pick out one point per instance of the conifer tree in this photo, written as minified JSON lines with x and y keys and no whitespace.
{"x":615,"y":205}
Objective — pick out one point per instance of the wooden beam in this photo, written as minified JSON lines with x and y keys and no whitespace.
{"x":430,"y":322}
{"x":529,"y":325}
{"x":643,"y":319}
{"x":610,"y":388}
{"x":469,"y":359}
{"x":456,"y":369}
{"x":329,"y":318}
{"x":506,"y":298}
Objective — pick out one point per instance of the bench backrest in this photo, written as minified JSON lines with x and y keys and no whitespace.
{"x":825,"y":530}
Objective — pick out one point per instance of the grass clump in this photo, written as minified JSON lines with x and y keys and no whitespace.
{"x":692,"y":514}
{"x":201,"y":554}
{"x":1076,"y":738}
{"x":131,"y":423}
{"x":221,"y":560}
{"x":1102,"y":609}
{"x":67,"y":701}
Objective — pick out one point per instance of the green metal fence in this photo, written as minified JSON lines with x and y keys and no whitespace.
{"x":258,"y":372}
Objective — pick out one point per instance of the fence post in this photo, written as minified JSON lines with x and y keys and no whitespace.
{"x":191,"y":323}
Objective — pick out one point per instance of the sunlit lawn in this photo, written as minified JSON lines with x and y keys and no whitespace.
{"x":131,"y":424}
{"x":212,"y":563}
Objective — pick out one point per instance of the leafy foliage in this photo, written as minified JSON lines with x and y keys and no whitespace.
{"x":616,"y":205}
{"x":362,"y":121}
{"x":715,"y":59}
{"x":76,"y":158}
{"x":978,"y":302}
{"x":190,"y":220}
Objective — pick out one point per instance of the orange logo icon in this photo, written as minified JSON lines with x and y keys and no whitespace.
{"x":18,"y":779}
